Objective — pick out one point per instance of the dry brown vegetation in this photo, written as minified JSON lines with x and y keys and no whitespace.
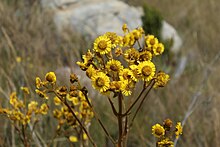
{"x":25,"y":32}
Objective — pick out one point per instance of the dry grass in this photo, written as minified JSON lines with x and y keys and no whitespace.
{"x":25,"y":32}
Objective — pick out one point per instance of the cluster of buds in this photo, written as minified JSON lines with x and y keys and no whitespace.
{"x":166,"y":132}
{"x":72,"y":109}
{"x":22,"y":112}
{"x":116,"y":63}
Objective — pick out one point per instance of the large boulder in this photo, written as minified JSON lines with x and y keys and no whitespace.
{"x":91,"y":18}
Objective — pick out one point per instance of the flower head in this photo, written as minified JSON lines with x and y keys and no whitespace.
{"x":146,"y":70}
{"x":100,"y":81}
{"x":165,"y":143}
{"x":179,"y":129}
{"x":102,"y":45}
{"x":158,"y":130}
{"x":50,"y":77}
{"x":151,"y":41}
{"x":114,"y":65}
{"x":158,"y":49}
{"x":161,"y":79}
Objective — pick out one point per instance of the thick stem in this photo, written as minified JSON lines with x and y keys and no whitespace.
{"x":120,"y":125}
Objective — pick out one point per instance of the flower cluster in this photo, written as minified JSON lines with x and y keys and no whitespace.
{"x":164,"y":133}
{"x":21,"y":112}
{"x":72,"y":108}
{"x":116,"y":63}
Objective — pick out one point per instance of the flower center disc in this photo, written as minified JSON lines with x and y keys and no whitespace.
{"x":100,"y":82}
{"x":102,"y":45}
{"x":152,"y":42}
{"x":114,"y":68}
{"x":146,"y":70}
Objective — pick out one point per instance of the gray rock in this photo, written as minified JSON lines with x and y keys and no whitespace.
{"x":95,"y":17}
{"x":169,"y":32}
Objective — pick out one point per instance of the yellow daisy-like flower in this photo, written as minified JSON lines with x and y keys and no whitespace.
{"x":116,"y":85}
{"x":57,"y":101}
{"x":145,"y":56}
{"x":118,"y":51}
{"x":127,"y":87}
{"x":38,"y":82}
{"x":90,"y":71}
{"x":128,"y":39}
{"x":158,"y":49}
{"x":165,"y":143}
{"x":102,"y":45}
{"x":126,"y":74}
{"x":50,"y":77}
{"x":161,"y":79}
{"x":158,"y":130}
{"x":151,"y":41}
{"x":179,"y":130}
{"x":137,"y":34}
{"x":43,"y":109}
{"x":87,"y":57}
{"x":115,"y":39}
{"x":100,"y":81}
{"x":114,"y":65}
{"x":131,"y":55}
{"x":146,"y":70}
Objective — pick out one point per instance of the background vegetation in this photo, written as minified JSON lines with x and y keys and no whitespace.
{"x":192,"y":97}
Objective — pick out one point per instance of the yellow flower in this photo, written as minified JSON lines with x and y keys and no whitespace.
{"x":90,"y":71}
{"x":26,"y":90}
{"x":131,"y":55}
{"x":158,"y":130}
{"x":137,"y":34}
{"x":125,"y":28}
{"x":179,"y":130}
{"x":115,"y":39}
{"x":158,"y":49}
{"x":126,"y":74}
{"x":73,"y":139}
{"x":116,"y":86}
{"x":85,"y":137}
{"x":118,"y":51}
{"x":128,"y":40}
{"x":38,"y":82}
{"x":151,"y":41}
{"x":114,"y":65}
{"x":100,"y":81}
{"x":57,"y":113}
{"x":50,"y":77}
{"x":88,"y":57}
{"x":32,"y":106}
{"x":161,"y":79}
{"x":145,"y":56}
{"x":102,"y":45}
{"x":57,"y":101}
{"x":44,"y":108}
{"x":146,"y":70}
{"x":127,"y":87}
{"x":165,"y":143}
{"x":41,"y":94}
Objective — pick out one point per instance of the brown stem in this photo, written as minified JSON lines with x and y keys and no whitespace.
{"x":132,"y":105}
{"x":113,"y":107}
{"x":26,"y":144}
{"x":98,"y":119}
{"x":120,"y":125}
